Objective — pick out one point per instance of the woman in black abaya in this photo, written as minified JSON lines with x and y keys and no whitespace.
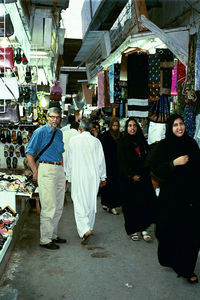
{"x":137,"y":193}
{"x":176,"y":162}
{"x":110,"y":199}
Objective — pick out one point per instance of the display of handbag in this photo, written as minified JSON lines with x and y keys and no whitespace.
{"x":56,"y":92}
{"x":6,"y":58}
{"x":8,"y":30}
{"x":9,"y":88}
{"x":9,"y":113}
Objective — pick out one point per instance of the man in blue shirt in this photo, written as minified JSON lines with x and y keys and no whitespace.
{"x":50,"y":177}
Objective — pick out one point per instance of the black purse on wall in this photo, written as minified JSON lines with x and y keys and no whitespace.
{"x":8,"y":29}
{"x":9,"y":113}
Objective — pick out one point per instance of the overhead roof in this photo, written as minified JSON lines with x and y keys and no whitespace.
{"x":71,"y":48}
{"x":58,"y":3}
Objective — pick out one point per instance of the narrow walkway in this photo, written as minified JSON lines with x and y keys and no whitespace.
{"x":112,"y":267}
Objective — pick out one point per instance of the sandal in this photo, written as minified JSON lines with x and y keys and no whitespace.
{"x":146,"y":236}
{"x":135,"y":237}
{"x":193,"y":279}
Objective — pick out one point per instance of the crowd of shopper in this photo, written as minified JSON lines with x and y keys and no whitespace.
{"x":121,"y":167}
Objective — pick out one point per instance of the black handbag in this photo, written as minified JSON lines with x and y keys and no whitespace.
{"x":9,"y":113}
{"x":8,"y":30}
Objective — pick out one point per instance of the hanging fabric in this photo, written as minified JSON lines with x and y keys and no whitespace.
{"x":117,"y":87}
{"x":197,"y":63}
{"x":137,"y":70}
{"x":154,"y":77}
{"x":191,"y":69}
{"x":100,"y":89}
{"x":111,"y":82}
{"x":159,"y":111}
{"x":174,"y":88}
{"x":106,"y":89}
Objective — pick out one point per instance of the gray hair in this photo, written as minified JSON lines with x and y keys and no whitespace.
{"x":86,"y":124}
{"x":54,"y":110}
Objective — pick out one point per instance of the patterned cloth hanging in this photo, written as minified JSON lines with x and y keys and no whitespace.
{"x":174,"y":87}
{"x":197,"y":64}
{"x":154,"y":77}
{"x":159,"y":111}
{"x":111,"y":82}
{"x":117,"y":87}
{"x":191,"y":69}
{"x":137,"y":72}
{"x":189,"y":120}
{"x":100,"y":100}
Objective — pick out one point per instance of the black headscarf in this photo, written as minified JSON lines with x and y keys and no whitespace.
{"x":138,"y":139}
{"x":178,"y":145}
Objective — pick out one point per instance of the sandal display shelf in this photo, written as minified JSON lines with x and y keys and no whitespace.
{"x":8,"y":198}
{"x":8,"y":241}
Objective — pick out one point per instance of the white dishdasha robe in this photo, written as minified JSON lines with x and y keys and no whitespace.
{"x":85,"y":168}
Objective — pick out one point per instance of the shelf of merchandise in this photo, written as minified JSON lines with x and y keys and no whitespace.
{"x":7,"y":242}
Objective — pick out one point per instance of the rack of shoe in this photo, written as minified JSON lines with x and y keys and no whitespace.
{"x":8,"y":219}
{"x":14,"y":193}
{"x":13,"y":142}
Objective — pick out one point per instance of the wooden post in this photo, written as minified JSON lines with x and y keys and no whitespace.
{"x":140,"y":9}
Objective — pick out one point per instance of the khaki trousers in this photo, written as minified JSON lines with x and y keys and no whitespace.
{"x":51,"y":184}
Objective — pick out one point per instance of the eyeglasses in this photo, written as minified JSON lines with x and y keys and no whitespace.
{"x":54,"y":117}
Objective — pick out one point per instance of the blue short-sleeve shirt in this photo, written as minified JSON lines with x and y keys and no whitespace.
{"x":40,"y":138}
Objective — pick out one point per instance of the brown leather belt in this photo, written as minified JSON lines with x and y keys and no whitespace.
{"x":51,"y":163}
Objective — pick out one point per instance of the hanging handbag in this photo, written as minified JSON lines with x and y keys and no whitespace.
{"x":9,"y":113}
{"x":8,"y":29}
{"x":56,"y":93}
{"x":6,"y":58}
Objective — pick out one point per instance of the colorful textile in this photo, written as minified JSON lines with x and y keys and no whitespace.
{"x":181,"y":72}
{"x":159,"y":111}
{"x":111,"y":82}
{"x":181,"y":98}
{"x":100,"y":89}
{"x":106,"y":89}
{"x":117,"y":87}
{"x":197,"y":131}
{"x":191,"y":69}
{"x":154,"y":68}
{"x":197,"y":64}
{"x":189,"y":120}
{"x":154,"y":77}
{"x":174,"y":89}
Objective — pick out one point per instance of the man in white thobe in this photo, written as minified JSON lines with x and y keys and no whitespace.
{"x":67,"y":135}
{"x":86,"y":170}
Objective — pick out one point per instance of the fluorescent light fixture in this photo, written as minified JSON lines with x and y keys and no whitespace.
{"x":39,"y":56}
{"x":35,"y":52}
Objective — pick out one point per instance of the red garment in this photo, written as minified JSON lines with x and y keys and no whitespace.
{"x":137,"y":149}
{"x":181,"y":74}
